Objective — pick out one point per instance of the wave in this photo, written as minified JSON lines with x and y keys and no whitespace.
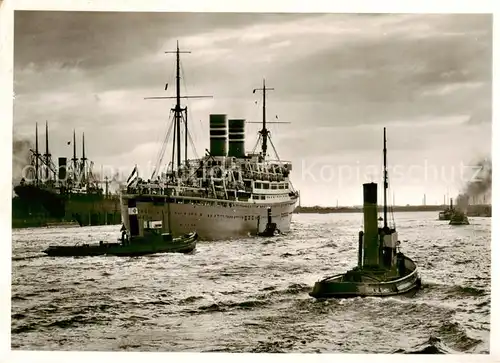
{"x":456,"y":336}
{"x":23,"y":258}
{"x":448,"y":338}
{"x":297,"y":289}
{"x":468,"y":291}
{"x":190,"y":299}
{"x":62,"y":323}
{"x":433,"y":345}
{"x":329,"y":245}
{"x":219,"y":307}
{"x":455,"y":290}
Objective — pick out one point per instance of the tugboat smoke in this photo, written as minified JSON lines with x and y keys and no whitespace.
{"x":477,"y":189}
{"x":21,"y":157}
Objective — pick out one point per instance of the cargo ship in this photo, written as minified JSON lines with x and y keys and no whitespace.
{"x":225,"y":194}
{"x":68,"y":194}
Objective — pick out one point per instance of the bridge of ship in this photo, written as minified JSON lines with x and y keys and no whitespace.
{"x":233,"y":168}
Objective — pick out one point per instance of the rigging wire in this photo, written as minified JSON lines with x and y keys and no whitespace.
{"x":162,"y":150}
{"x":191,"y":141}
{"x":391,"y":207}
{"x":188,"y":105}
{"x":167,"y":127}
{"x":164,"y":146}
{"x":256,"y":144}
{"x":202,"y":128}
{"x":274,"y":149}
{"x":257,"y":103}
{"x":173,"y":150}
{"x":159,"y":138}
{"x":186,"y":100}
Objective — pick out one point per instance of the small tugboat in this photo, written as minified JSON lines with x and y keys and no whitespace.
{"x":447,"y":213}
{"x":383,"y":270}
{"x":143,"y":239}
{"x":271,"y":229}
{"x":459,"y":218}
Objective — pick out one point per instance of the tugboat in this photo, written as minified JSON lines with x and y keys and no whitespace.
{"x":459,"y":218}
{"x":447,"y":213}
{"x":271,"y":229}
{"x":383,"y":270}
{"x":143,"y":239}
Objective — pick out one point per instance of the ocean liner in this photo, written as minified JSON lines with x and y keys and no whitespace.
{"x":225,"y":194}
{"x":66,"y":194}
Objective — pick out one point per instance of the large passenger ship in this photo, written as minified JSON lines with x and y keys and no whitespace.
{"x":225,"y":194}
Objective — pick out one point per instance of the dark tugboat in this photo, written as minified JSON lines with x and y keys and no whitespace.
{"x":458,"y":218}
{"x":383,"y":270}
{"x":447,"y":213}
{"x":271,"y":229}
{"x":144,"y":238}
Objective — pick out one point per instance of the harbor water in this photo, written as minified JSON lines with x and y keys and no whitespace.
{"x":251,"y":295}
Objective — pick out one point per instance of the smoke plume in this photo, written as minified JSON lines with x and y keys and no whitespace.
{"x":21,"y":157}
{"x":479,"y":188}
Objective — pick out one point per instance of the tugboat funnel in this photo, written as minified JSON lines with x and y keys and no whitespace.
{"x":371,"y":238}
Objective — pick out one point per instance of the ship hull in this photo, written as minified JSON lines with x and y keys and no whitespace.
{"x":184,"y":244}
{"x":211,"y":219}
{"x":84,"y":210}
{"x":336,"y":287}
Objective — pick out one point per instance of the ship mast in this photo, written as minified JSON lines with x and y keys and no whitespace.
{"x":84,"y":159}
{"x":386,"y":184}
{"x":47,"y":155}
{"x":74,"y":159}
{"x":36,"y":153}
{"x":264,"y":132}
{"x":179,"y":112}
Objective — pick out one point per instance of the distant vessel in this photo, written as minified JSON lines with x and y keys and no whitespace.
{"x":383,"y":270}
{"x":224,"y":194}
{"x":447,"y":213}
{"x":50,"y":195}
{"x":459,"y":218}
{"x":455,"y":215}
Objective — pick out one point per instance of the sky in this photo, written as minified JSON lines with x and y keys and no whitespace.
{"x":339,"y":79}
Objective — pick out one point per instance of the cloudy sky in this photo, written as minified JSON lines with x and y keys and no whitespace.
{"x":338,"y":78}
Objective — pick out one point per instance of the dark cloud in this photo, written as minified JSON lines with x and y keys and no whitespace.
{"x":99,"y":39}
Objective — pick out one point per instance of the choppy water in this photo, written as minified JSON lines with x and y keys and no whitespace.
{"x":251,"y":295}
